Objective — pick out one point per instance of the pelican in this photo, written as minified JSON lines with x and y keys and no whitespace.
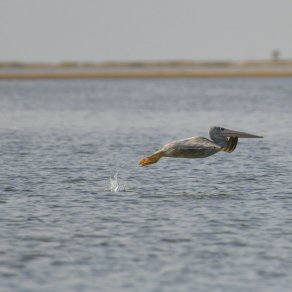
{"x":200,"y":147}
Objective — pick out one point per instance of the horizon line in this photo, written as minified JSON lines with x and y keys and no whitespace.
{"x":141,"y":62}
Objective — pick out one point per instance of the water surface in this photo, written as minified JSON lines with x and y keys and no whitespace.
{"x":217,"y":224}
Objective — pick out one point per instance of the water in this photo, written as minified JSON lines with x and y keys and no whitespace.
{"x":217,"y":224}
{"x":116,"y":186}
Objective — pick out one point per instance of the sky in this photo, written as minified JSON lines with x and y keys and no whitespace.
{"x":122,"y":30}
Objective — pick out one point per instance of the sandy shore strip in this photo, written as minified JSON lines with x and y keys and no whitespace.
{"x":143,"y":74}
{"x":154,"y":69}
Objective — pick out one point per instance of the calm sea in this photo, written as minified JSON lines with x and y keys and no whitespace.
{"x":223,"y":223}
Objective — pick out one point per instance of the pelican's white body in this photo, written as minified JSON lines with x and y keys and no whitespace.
{"x":193,"y":147}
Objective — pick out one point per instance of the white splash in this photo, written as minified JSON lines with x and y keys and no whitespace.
{"x":115,"y":185}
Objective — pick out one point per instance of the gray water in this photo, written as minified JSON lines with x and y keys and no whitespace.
{"x":223,"y":223}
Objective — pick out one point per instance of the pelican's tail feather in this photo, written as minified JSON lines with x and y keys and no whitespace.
{"x":151,"y":159}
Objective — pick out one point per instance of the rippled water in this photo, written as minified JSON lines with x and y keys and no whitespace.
{"x":217,"y":224}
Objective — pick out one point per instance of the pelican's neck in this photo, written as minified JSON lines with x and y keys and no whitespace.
{"x":218,"y":139}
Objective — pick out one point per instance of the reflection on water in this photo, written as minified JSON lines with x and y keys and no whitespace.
{"x":220,"y":223}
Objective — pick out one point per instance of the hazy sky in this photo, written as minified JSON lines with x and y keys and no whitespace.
{"x":101,"y":30}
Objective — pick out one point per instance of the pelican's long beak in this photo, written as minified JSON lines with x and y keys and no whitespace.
{"x":231,"y":133}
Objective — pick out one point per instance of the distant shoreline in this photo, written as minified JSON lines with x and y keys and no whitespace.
{"x":153,"y":69}
{"x":178,"y":63}
{"x":148,"y":74}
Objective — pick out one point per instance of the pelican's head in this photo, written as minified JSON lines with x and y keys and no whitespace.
{"x":220,"y":131}
{"x":220,"y":135}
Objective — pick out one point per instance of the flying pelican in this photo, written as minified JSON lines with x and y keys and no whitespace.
{"x":200,"y":147}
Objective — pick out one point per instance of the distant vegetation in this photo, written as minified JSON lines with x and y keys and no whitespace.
{"x":141,"y":64}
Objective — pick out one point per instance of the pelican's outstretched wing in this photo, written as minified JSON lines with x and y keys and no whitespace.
{"x":194,"y":147}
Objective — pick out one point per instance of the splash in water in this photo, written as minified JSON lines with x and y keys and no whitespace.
{"x":115,"y":185}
